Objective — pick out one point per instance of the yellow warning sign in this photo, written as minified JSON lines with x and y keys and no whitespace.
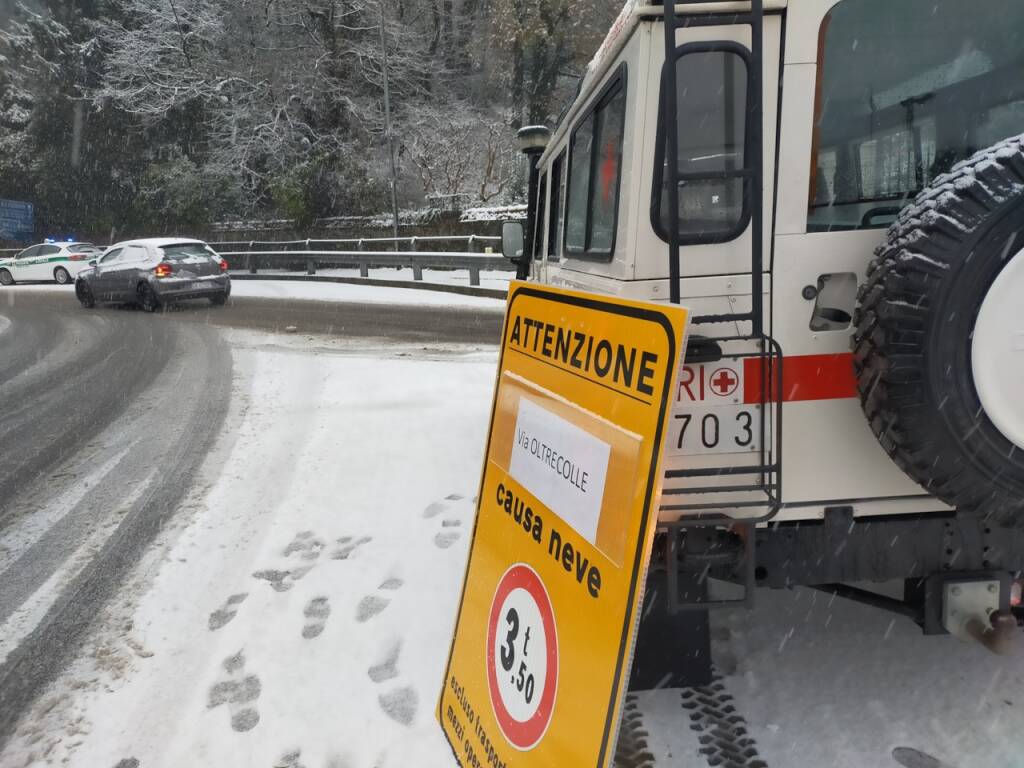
{"x":565,"y":517}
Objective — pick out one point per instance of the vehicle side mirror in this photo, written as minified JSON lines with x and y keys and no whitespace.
{"x":512,"y":241}
{"x":92,"y":262}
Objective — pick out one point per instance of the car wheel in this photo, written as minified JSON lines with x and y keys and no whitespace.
{"x":220,"y":299}
{"x":61,"y":276}
{"x":5,"y":277}
{"x":84,"y":294}
{"x":147,"y":298}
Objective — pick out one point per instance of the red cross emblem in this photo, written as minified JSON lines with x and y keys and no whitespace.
{"x":724,"y":382}
{"x":609,"y":170}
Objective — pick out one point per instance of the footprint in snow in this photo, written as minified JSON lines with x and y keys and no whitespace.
{"x":347,"y":545}
{"x":226,"y":612}
{"x":316,"y":613}
{"x":400,"y":704}
{"x":449,"y":533}
{"x":290,"y":760}
{"x":239,"y":692}
{"x":307,"y":547}
{"x":386,"y":668}
{"x":371,"y":605}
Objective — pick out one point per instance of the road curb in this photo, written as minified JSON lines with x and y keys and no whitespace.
{"x":465,"y":290}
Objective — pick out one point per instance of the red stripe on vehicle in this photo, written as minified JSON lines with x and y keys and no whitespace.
{"x":804,"y":377}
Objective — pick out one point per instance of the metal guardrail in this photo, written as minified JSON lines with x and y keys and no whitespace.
{"x":364,"y":260}
{"x":361,"y":243}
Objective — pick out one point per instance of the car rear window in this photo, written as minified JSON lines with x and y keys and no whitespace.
{"x":186,"y":251}
{"x":84,"y":248}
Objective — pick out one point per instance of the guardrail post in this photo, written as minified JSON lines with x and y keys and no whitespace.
{"x":412,"y":246}
{"x":474,"y":275}
{"x":310,"y":266}
{"x":417,"y":271}
{"x":364,"y":269}
{"x":472,"y":241}
{"x":252,"y":260}
{"x":360,"y":244}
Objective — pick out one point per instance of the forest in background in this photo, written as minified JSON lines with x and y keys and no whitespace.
{"x":160,"y":115}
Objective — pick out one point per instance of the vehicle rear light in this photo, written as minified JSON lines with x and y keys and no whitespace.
{"x":77,"y":257}
{"x":163,"y":269}
{"x":1015,"y":594}
{"x":223,"y":265}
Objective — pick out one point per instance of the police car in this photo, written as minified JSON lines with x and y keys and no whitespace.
{"x":51,"y":260}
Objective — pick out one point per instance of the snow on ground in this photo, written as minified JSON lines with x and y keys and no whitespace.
{"x":367,"y":294}
{"x":488,"y":278}
{"x":304,"y":606}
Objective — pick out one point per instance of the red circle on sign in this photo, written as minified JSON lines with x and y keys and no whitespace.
{"x":523,"y":734}
{"x":724,"y":382}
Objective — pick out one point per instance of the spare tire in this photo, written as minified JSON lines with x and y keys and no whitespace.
{"x":939,"y":337}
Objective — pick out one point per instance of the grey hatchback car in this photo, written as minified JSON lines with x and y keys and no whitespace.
{"x":154,"y":272}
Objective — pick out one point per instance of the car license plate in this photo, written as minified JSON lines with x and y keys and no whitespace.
{"x":198,"y":285}
{"x":709,"y":414}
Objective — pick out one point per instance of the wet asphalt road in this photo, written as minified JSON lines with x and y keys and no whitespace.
{"x":105,"y":418}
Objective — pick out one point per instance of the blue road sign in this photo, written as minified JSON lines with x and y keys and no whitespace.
{"x":17,"y":220}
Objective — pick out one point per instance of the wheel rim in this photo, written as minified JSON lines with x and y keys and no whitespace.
{"x":5,"y":278}
{"x":997,"y":351}
{"x":61,"y":276}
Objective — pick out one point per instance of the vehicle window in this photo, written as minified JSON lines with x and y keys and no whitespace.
{"x":134,"y":253}
{"x":557,"y":201}
{"x":595,"y":164}
{"x":900,"y":103}
{"x":541,"y":221}
{"x":48,"y":250}
{"x":112,"y":257}
{"x":711,"y":103}
{"x":184,"y":251}
{"x":579,"y":182}
{"x":28,"y":253}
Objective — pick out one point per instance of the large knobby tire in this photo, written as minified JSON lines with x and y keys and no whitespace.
{"x":914,"y":330}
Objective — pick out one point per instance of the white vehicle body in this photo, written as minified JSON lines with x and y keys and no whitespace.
{"x":46,"y":260}
{"x":816,"y":246}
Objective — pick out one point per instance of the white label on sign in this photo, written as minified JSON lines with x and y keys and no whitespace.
{"x":562,"y":465}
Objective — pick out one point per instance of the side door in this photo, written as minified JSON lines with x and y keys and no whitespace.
{"x":21,"y":267}
{"x":122,"y":274}
{"x":40,"y":266}
{"x":106,"y":269}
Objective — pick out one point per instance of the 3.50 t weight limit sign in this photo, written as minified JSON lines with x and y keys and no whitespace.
{"x":564,"y":528}
{"x":522,"y":660}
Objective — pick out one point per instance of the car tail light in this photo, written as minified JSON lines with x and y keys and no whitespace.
{"x":1016,"y":588}
{"x":223,"y":265}
{"x":163,"y":269}
{"x":78,"y":256}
